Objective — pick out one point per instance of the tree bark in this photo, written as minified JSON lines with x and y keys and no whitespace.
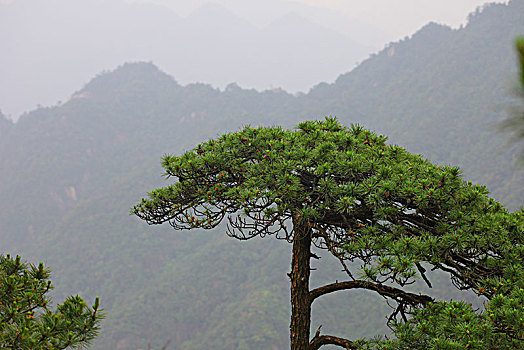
{"x":320,"y":340}
{"x":385,"y":291}
{"x":300,"y":300}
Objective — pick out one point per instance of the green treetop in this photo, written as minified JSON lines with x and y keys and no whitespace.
{"x":346,"y":191}
{"x":27,"y":321}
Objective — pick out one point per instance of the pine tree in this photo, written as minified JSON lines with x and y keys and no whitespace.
{"x":26,"y":319}
{"x":346,"y":191}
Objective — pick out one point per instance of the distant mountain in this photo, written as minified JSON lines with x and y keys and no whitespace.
{"x":72,"y":172}
{"x":262,"y":12}
{"x":4,"y":124}
{"x":76,"y":39}
{"x":368,"y":35}
{"x":288,"y":43}
{"x":52,"y":47}
{"x":451,"y":87}
{"x":69,"y":174}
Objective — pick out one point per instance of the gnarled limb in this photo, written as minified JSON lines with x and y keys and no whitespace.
{"x":319,"y":340}
{"x":385,"y":291}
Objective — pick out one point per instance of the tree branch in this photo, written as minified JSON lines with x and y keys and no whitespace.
{"x":422,"y":271}
{"x":319,"y":340}
{"x":386,"y":291}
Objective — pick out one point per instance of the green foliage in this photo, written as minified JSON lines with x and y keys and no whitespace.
{"x":435,"y":93}
{"x":27,"y":322}
{"x":463,"y":232}
{"x":455,"y":325}
{"x":485,"y":254}
{"x":441,"y":93}
{"x":365,"y":201}
{"x":270,"y":174}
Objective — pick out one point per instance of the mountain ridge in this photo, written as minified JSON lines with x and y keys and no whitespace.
{"x":71,"y":172}
{"x":213,"y":45}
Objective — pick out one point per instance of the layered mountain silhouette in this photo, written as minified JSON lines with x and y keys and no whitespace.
{"x":52,"y":47}
{"x":69,"y":174}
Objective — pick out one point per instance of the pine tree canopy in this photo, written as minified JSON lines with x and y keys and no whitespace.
{"x":392,"y":212}
{"x":26,"y":319}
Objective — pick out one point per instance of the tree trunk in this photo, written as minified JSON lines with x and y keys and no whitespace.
{"x":300,"y":301}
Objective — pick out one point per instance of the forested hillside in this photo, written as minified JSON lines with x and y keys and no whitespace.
{"x":69,"y":174}
{"x":451,"y":87}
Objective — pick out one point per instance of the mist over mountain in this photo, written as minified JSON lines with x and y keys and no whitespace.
{"x":262,"y":12}
{"x":49,"y":48}
{"x":69,"y":174}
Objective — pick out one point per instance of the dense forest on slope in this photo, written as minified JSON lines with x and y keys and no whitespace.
{"x":451,"y":87}
{"x":69,"y":174}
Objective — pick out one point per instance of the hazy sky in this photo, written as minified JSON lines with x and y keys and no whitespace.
{"x":397,"y":18}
